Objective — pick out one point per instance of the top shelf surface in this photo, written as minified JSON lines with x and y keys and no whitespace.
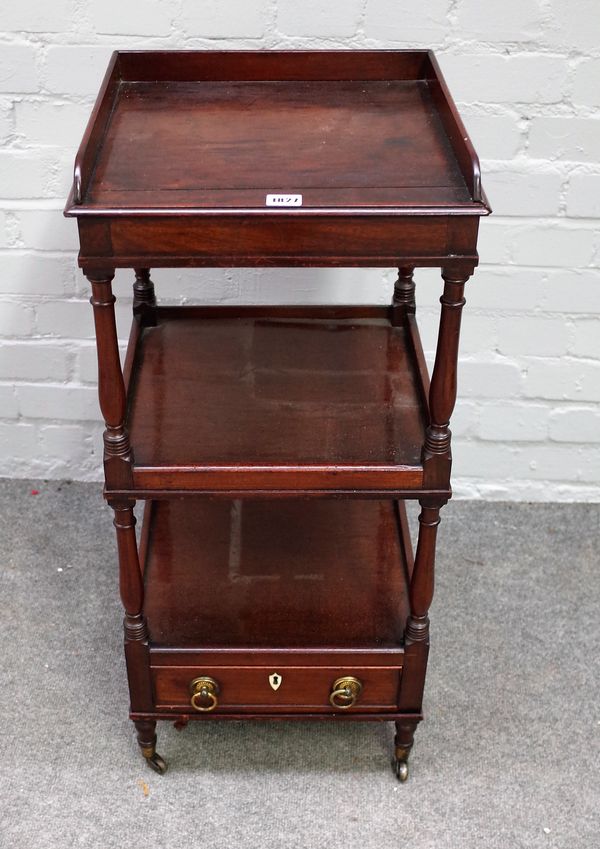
{"x":215,"y":132}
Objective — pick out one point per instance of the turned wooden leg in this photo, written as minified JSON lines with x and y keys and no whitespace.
{"x":437,"y":461}
{"x":416,"y":642}
{"x":403,"y":743}
{"x":137,"y":653}
{"x":146,"y":737}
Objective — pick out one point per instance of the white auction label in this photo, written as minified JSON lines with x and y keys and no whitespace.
{"x":284,"y":200}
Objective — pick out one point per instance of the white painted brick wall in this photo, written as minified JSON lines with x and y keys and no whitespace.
{"x":524,"y":191}
{"x":509,"y":79}
{"x":532,"y":336}
{"x":526,"y":75}
{"x":586,"y":91}
{"x":34,"y":16}
{"x":25,"y":174}
{"x":583,"y":194}
{"x":18,"y":68}
{"x":566,"y":137}
{"x":415,"y":24}
{"x":511,"y":20}
{"x":580,"y":424}
{"x":515,"y":422}
{"x":145,"y":17}
{"x":572,"y":26}
{"x":49,"y":124}
{"x":585,"y":342}
{"x":334,"y":19}
{"x":218,"y":19}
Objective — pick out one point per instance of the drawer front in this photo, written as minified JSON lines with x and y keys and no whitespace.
{"x":254,"y":239}
{"x":270,"y":689}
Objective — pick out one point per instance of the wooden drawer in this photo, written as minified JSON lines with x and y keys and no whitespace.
{"x":298,"y":688}
{"x":250,"y":239}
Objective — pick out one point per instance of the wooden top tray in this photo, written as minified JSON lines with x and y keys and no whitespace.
{"x":199,"y":133}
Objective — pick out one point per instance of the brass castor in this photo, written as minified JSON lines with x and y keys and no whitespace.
{"x":156,"y":763}
{"x":400,"y":767}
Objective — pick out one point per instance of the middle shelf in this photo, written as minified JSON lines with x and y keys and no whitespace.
{"x":255,"y":400}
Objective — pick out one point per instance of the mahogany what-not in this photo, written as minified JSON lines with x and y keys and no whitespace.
{"x":273,"y":445}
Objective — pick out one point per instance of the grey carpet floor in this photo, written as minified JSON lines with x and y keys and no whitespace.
{"x":509,"y":754}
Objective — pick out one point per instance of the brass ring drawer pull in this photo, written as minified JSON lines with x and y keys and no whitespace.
{"x":345,"y":692}
{"x":204,"y":692}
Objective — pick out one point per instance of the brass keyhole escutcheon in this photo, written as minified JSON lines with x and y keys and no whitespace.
{"x":275,"y":680}
{"x":345,"y":692}
{"x":204,"y":692}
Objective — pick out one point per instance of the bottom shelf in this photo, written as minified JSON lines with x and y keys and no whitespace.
{"x":268,"y":574}
{"x":275,"y":601}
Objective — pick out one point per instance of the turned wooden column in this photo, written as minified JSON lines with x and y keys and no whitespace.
{"x":131,"y":587}
{"x":144,"y":299}
{"x":437,"y":458}
{"x":137,"y":651}
{"x":420,"y":596}
{"x":403,"y":301}
{"x":437,"y":461}
{"x":416,"y":642}
{"x":118,"y":456}
{"x":422,"y":579}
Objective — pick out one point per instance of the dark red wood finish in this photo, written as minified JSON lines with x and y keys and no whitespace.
{"x":304,"y":689}
{"x":378,"y":150}
{"x":274,"y":580}
{"x":290,"y":398}
{"x":288,"y":574}
{"x":330,"y":405}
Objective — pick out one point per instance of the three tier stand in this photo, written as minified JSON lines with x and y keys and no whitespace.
{"x":274,"y":446}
